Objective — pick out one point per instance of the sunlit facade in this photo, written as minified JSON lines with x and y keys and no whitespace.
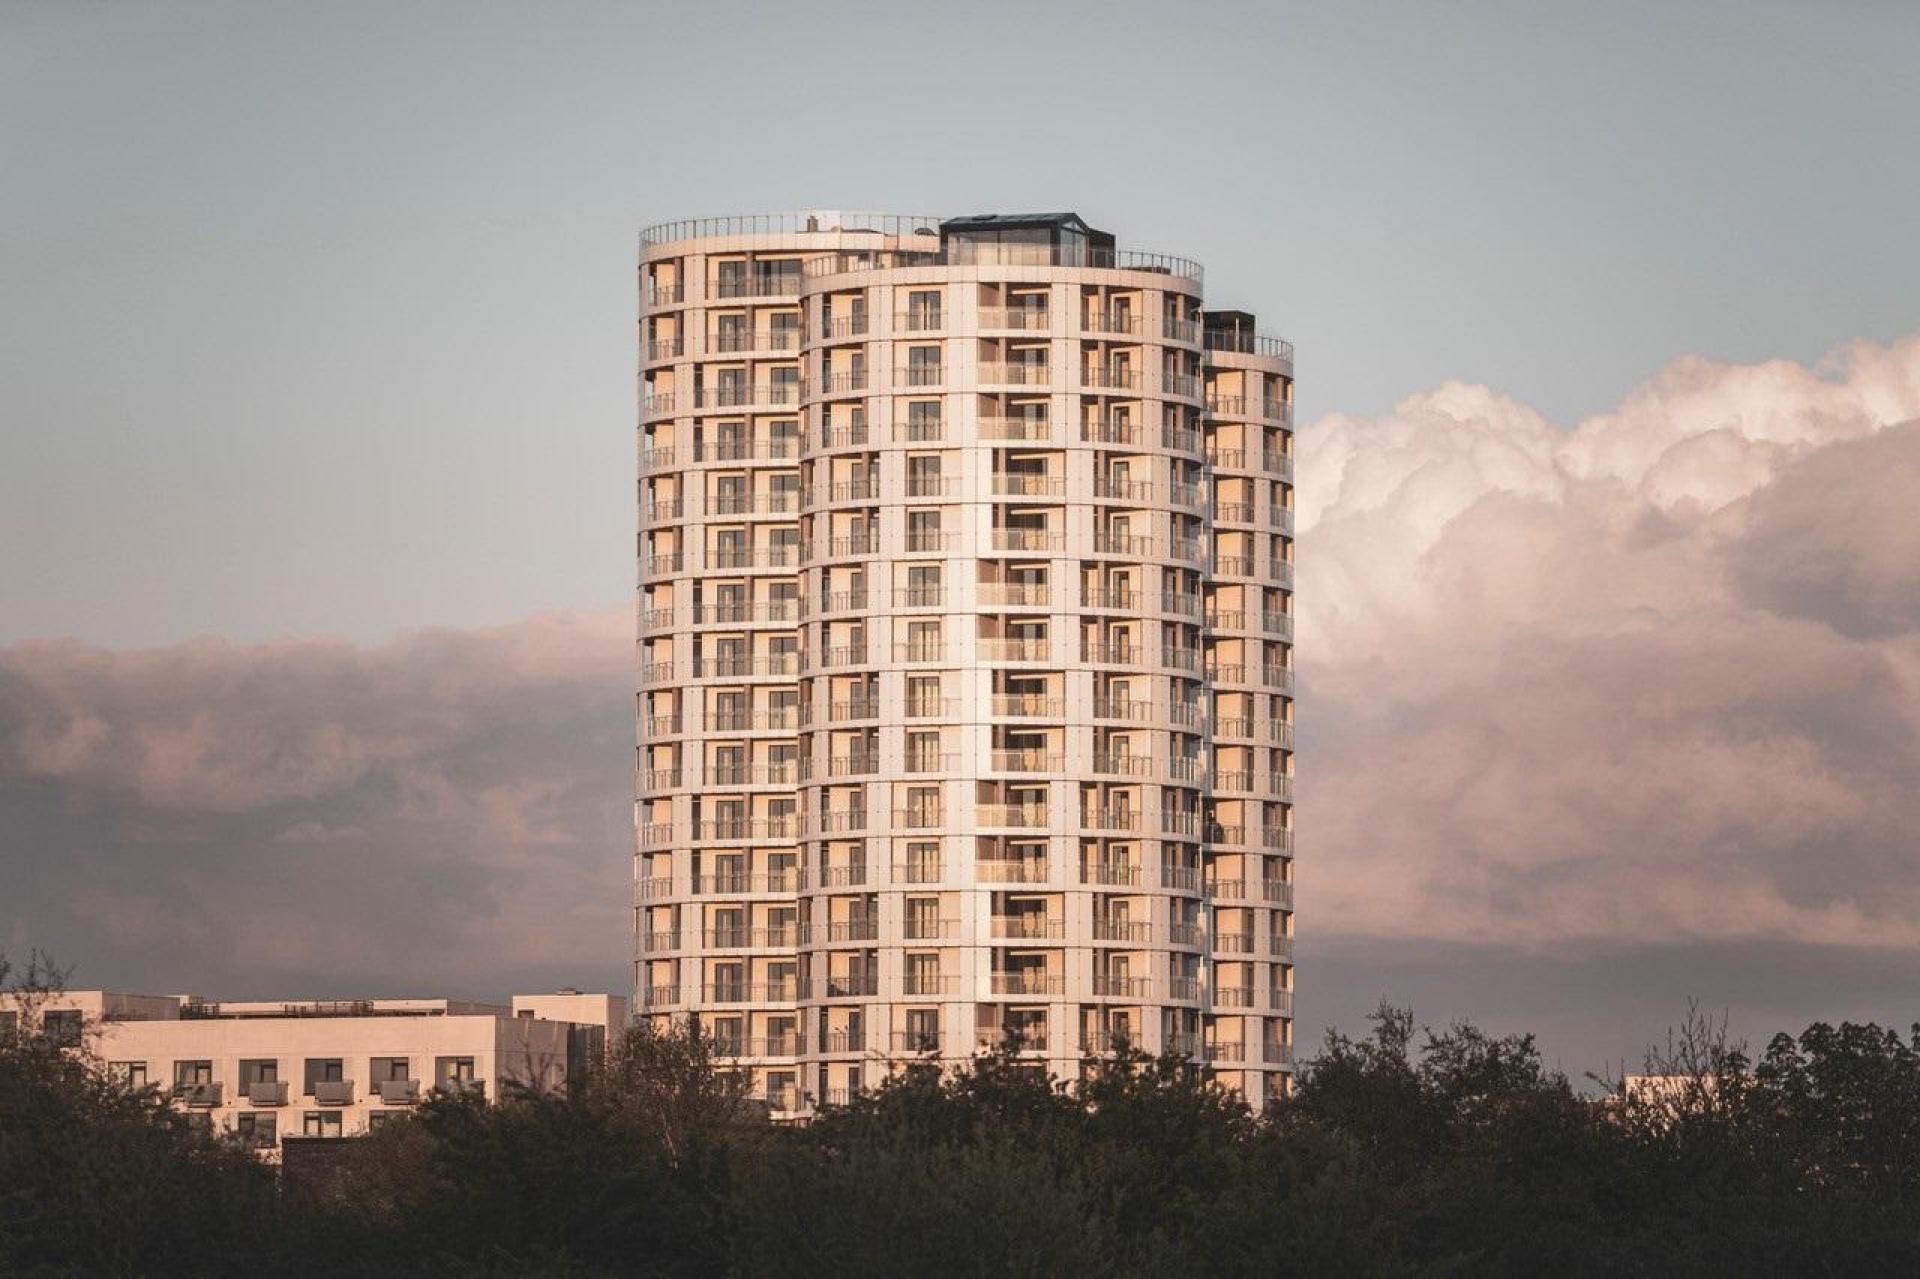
{"x":965,"y":679}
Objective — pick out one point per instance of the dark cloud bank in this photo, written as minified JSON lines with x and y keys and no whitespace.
{"x":1592,"y":722}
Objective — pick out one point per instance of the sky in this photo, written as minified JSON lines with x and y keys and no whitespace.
{"x":316,"y":409}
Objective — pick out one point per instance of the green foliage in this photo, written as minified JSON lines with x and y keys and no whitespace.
{"x":97,"y":1178}
{"x":1402,"y":1152}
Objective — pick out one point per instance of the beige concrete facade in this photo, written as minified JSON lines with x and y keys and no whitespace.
{"x":965,"y":684}
{"x":266,"y":1071}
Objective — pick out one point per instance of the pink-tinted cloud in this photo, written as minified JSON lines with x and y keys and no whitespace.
{"x":1646,"y":683}
{"x":1650,"y":680}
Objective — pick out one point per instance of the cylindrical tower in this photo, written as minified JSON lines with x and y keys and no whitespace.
{"x":928,"y":623}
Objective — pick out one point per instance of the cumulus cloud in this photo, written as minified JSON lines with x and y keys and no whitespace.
{"x":1647,"y":680}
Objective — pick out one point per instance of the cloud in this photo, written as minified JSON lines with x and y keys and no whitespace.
{"x":1646,"y":681}
{"x":1644,"y":687}
{"x":448,"y":811}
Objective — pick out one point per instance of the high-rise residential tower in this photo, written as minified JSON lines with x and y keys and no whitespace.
{"x":965,"y":650}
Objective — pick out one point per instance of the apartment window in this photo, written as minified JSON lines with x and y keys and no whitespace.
{"x":923,"y":309}
{"x":923,"y":1030}
{"x":731,"y":331}
{"x":923,"y":475}
{"x":923,"y":420}
{"x":133,"y":1074}
{"x":9,"y":1025}
{"x":923,"y":530}
{"x":62,"y":1027}
{"x":923,"y":752}
{"x":256,"y":1129}
{"x":923,"y":862}
{"x":259,"y":1070}
{"x":380,"y":1119}
{"x":324,"y":1070}
{"x":923,"y":641}
{"x":923,"y":917}
{"x":732,"y":278}
{"x":923,"y":695}
{"x":320,"y":1123}
{"x":785,"y":327}
{"x":390,"y":1070}
{"x":450,"y":1072}
{"x":923,"y":802}
{"x":188,"y":1073}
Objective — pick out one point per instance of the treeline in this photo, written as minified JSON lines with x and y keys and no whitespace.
{"x":1404,"y":1152}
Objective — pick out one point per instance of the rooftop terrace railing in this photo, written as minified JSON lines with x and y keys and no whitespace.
{"x":796,"y":222}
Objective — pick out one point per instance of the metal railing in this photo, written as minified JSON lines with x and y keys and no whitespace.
{"x":797,"y":222}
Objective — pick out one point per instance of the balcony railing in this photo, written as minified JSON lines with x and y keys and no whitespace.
{"x":1025,"y":318}
{"x":1000,"y":870}
{"x":1018,"y":983}
{"x":1015,"y":428}
{"x":1029,"y":927}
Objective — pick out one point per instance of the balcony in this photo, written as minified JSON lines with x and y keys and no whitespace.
{"x":1028,"y":761}
{"x":1014,"y":374}
{"x":843,"y":437}
{"x":923,"y":485}
{"x":1098,"y":321}
{"x":922,"y":872}
{"x":1014,"y":428}
{"x":399,"y":1092}
{"x":1117,"y":874}
{"x":1110,"y":431}
{"x":782,"y":285}
{"x":1024,"y":318}
{"x":198,"y":1095}
{"x":1028,"y":706}
{"x":929,"y":320}
{"x":267,"y":1092}
{"x":1029,"y":927}
{"x":1233,"y":996}
{"x":1123,"y":765}
{"x":1110,"y":379}
{"x":1130,"y":931}
{"x":916,"y":1041}
{"x":852,"y":930}
{"x":1119,"y":599}
{"x":1105,"y":987}
{"x":1233,"y":943}
{"x":996,"y":649}
{"x":920,"y":375}
{"x":740,"y":883}
{"x":1023,"y":983}
{"x":924,"y":985}
{"x":333,"y":1092}
{"x":1012,"y":816}
{"x":930,"y":929}
{"x":1111,"y":818}
{"x":730,"y":342}
{"x":1026,"y":539}
{"x":1014,"y":594}
{"x":918,"y":818}
{"x":1017,"y":484}
{"x":848,"y":985}
{"x":1000,"y":870}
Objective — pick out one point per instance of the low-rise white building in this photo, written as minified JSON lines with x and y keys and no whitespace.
{"x":267,"y":1070}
